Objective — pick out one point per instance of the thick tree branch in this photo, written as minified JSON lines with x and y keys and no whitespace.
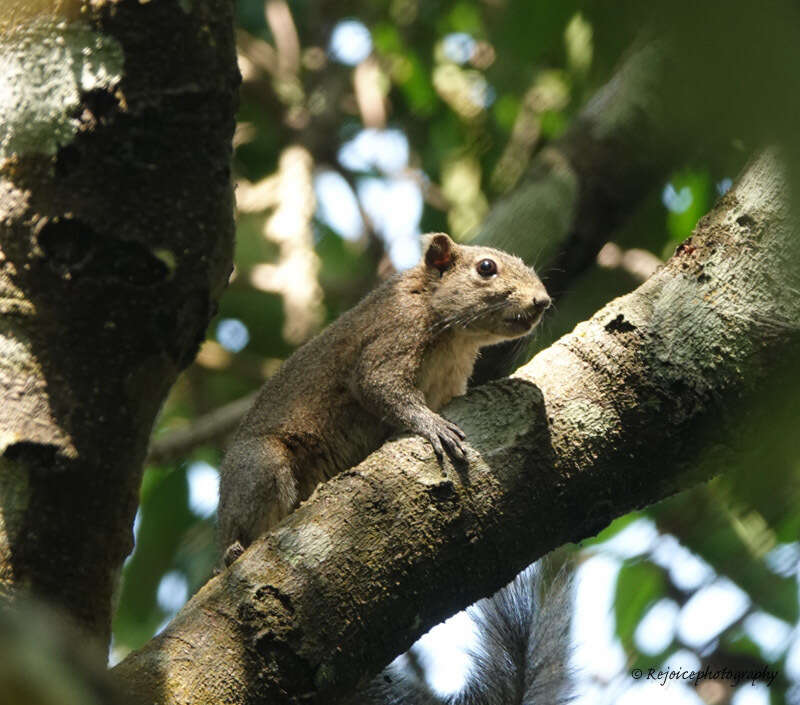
{"x":650,"y":396}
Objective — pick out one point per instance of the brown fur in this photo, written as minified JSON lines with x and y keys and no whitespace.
{"x":387,"y":364}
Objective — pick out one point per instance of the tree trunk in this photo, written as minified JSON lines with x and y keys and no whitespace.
{"x":658,"y":391}
{"x":116,"y":236}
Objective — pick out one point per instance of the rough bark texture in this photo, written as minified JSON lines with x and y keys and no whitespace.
{"x":648,"y":397}
{"x":116,"y":236}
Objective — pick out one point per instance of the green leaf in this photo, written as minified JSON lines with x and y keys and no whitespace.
{"x":612,"y":529}
{"x":464,"y":17}
{"x":164,"y":517}
{"x":554,"y":123}
{"x":639,"y":585}
{"x":690,"y":202}
{"x":505,"y":111}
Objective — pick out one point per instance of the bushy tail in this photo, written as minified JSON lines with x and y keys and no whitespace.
{"x":523,"y":643}
{"x":521,"y":656}
{"x":393,"y":686}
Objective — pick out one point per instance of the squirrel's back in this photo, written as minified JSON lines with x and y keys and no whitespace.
{"x":313,"y":384}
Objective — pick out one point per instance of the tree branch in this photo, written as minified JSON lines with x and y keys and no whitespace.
{"x":652,"y":395}
{"x":212,"y":426}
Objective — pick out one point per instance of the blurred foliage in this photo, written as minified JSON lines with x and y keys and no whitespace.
{"x":35,"y":640}
{"x":456,"y":97}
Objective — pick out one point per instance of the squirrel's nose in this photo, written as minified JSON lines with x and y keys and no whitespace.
{"x":541,"y":301}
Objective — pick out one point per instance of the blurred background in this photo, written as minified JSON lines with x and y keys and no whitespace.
{"x":364,"y":124}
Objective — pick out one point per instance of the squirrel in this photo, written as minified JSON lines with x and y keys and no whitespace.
{"x":388,"y":364}
{"x":521,"y":653}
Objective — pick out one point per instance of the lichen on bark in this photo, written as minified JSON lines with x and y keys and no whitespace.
{"x":46,"y":65}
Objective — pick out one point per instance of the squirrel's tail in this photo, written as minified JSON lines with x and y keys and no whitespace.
{"x":521,"y":656}
{"x":523,"y":643}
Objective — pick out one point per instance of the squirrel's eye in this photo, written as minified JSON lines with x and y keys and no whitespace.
{"x":487,"y":267}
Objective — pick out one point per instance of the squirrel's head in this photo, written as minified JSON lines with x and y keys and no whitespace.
{"x":483,"y":291}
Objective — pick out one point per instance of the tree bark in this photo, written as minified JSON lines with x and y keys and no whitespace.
{"x":658,"y":391}
{"x":116,"y":236}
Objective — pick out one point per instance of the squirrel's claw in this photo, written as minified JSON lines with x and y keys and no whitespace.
{"x":446,"y":437}
{"x":455,"y":429}
{"x":454,"y":448}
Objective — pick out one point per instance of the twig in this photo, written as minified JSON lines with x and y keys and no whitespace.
{"x":209,"y":427}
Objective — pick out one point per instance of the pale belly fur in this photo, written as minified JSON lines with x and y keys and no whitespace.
{"x":445,"y":371}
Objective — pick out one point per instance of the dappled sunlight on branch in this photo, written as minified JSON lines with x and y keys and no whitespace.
{"x":464,"y":90}
{"x":257,"y":197}
{"x":255,"y":56}
{"x":369,"y":81}
{"x":461,"y":186}
{"x":279,"y":66}
{"x":548,"y":92}
{"x":213,"y":356}
{"x":279,"y":19}
{"x":294,"y":276}
{"x":640,"y":264}
{"x":15,"y":12}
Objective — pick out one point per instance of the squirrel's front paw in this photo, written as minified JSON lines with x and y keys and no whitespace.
{"x":445,"y":436}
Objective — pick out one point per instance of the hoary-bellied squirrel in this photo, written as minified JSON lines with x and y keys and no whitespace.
{"x":387,"y":364}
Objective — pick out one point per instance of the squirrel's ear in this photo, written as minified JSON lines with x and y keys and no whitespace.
{"x":439,"y":251}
